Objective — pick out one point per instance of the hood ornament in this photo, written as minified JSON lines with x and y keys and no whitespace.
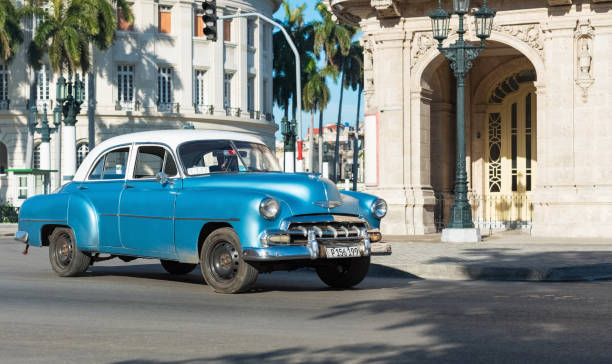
{"x":327,"y":204}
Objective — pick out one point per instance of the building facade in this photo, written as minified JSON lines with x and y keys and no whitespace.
{"x":161,"y":73}
{"x":538,"y":106}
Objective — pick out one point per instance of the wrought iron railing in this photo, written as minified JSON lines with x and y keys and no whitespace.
{"x":5,"y":104}
{"x":204,"y":109}
{"x":169,"y":107}
{"x":492,"y":212}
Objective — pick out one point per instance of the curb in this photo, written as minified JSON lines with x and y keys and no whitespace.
{"x":489,"y":273}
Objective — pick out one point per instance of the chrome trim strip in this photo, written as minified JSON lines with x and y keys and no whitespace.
{"x":21,"y":236}
{"x":325,"y":218}
{"x":43,"y":220}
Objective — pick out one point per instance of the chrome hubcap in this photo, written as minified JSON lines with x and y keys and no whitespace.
{"x":64,"y":252}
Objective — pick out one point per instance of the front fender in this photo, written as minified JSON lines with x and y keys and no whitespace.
{"x":365,"y":201}
{"x":239,"y":208}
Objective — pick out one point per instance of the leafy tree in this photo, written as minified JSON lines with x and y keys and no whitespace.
{"x":11,"y":35}
{"x":65,"y":33}
{"x":284,"y":88}
{"x":316,"y":96}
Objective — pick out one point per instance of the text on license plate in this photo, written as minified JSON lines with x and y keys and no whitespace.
{"x":344,"y":252}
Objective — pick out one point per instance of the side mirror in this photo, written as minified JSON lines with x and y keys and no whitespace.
{"x":162,"y":178}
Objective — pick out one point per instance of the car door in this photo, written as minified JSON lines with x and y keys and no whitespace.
{"x":146,"y":208}
{"x":103,"y":188}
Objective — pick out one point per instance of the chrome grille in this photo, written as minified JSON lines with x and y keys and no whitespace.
{"x":337,"y":232}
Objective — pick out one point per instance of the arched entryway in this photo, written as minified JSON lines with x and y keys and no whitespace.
{"x":501,"y":134}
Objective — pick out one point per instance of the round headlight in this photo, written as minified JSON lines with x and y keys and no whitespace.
{"x":269,"y":208}
{"x":379,"y":208}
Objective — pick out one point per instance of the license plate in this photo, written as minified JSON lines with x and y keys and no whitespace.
{"x":344,"y":252}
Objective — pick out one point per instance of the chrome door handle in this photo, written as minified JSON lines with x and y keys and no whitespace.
{"x":128,"y":186}
{"x":82,"y":187}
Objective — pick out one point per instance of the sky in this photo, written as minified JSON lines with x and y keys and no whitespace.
{"x":330,"y":115}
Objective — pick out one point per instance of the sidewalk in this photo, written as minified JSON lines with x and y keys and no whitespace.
{"x":7,"y":230}
{"x":510,"y":255}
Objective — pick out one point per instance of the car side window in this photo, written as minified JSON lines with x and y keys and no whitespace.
{"x":111,"y":166}
{"x":151,"y":160}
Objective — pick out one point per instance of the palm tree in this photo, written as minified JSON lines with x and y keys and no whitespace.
{"x":354,"y":80}
{"x":335,"y":41}
{"x":66,"y":32}
{"x":11,"y":35}
{"x":284,"y":87}
{"x":315,"y":97}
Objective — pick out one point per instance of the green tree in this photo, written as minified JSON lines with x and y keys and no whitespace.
{"x":284,"y":88}
{"x":11,"y":35}
{"x":334,"y":41}
{"x":65,"y":33}
{"x":316,"y":96}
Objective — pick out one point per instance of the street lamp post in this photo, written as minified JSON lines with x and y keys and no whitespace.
{"x":70,"y":95}
{"x":461,"y":54}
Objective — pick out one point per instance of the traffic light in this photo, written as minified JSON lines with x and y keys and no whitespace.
{"x":210,"y":19}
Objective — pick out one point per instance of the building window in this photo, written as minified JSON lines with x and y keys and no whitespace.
{"x":251,"y":94}
{"x":125,"y":86}
{"x":123,"y":24}
{"x":227,"y":90}
{"x":164,"y":85}
{"x":227,"y":30}
{"x":36,"y":157}
{"x":198,"y":24}
{"x":3,"y":84}
{"x":199,"y":79}
{"x":165,"y":19}
{"x":82,"y":151}
{"x":42,"y":80}
{"x":251,"y":33}
{"x":3,"y":158}
{"x":22,"y":189}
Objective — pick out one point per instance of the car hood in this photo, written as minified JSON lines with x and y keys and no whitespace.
{"x":304,"y":193}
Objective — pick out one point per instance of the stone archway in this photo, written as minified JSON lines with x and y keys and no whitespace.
{"x":430,"y":75}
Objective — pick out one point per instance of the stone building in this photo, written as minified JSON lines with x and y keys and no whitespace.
{"x":538,"y":106}
{"x":161,"y":73}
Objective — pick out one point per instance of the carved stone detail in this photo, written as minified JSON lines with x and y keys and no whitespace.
{"x":528,"y":33}
{"x":368,"y":70}
{"x":386,"y":8}
{"x":422,"y":42}
{"x":583,"y":49}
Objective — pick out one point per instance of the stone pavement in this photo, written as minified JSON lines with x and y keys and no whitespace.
{"x":509,"y":255}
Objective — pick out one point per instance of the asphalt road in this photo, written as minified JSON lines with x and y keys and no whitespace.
{"x":135,"y":313}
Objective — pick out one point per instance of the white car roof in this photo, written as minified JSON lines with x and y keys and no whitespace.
{"x":171,"y":138}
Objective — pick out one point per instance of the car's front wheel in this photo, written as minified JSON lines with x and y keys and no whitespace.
{"x":344,"y":273}
{"x":66,"y":260}
{"x":222,"y":265}
{"x":177,"y":268}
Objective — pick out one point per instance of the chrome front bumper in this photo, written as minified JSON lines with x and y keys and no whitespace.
{"x":21,"y":236}
{"x":276,"y":245}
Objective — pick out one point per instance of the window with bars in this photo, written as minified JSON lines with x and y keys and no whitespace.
{"x":200,"y":82}
{"x":251,"y":94}
{"x":251,"y":33}
{"x":125,"y":85}
{"x":227,"y":90}
{"x":3,"y":83}
{"x":36,"y":157}
{"x":82,"y":151}
{"x":164,"y":85}
{"x":42,"y":81}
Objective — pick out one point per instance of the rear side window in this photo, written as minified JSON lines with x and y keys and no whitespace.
{"x":151,"y":160}
{"x":112,"y":165}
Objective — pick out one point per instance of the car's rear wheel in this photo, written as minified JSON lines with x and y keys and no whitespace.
{"x":344,"y":273}
{"x":66,"y":260}
{"x":177,"y":268}
{"x":222,"y":265}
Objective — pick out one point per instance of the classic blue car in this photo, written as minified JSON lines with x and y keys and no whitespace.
{"x":212,"y":198}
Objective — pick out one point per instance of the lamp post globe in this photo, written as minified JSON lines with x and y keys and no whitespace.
{"x":60,"y":90}
{"x":461,"y":6}
{"x":440,"y":21}
{"x":483,"y":19}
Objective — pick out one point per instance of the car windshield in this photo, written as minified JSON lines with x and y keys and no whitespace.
{"x":226,"y":156}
